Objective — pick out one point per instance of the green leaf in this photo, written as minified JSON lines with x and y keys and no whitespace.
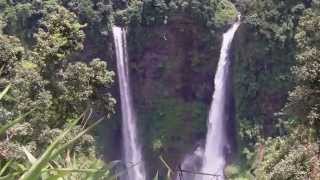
{"x":35,"y":171}
{"x":72,"y":141}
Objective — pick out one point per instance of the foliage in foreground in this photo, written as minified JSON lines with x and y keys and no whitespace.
{"x":55,"y":162}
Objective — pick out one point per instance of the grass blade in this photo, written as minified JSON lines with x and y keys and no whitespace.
{"x":72,"y":141}
{"x":5,"y":167}
{"x":35,"y":171}
{"x":30,"y":157}
{"x":5,"y":91}
{"x":167,"y":166}
{"x":157,"y":176}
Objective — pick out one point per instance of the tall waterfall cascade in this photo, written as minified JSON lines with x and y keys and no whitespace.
{"x":214,"y":158}
{"x":132,"y":150}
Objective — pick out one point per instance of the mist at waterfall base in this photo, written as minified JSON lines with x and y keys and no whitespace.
{"x":132,"y":155}
{"x":191,"y":163}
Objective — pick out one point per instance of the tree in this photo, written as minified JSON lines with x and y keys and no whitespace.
{"x":46,"y":79}
{"x":304,"y":100}
{"x":296,"y":155}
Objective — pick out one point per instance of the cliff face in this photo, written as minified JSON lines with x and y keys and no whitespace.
{"x":173,"y":60}
{"x":172,"y":77}
{"x":262,"y":79}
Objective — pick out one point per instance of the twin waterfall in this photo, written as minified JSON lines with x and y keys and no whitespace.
{"x":214,"y":154}
{"x":132,"y":152}
{"x":214,"y":158}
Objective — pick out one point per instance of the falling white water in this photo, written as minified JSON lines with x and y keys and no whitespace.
{"x":132,"y":150}
{"x":216,"y":141}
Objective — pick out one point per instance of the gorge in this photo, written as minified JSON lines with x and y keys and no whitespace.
{"x":217,"y":146}
{"x":105,"y":89}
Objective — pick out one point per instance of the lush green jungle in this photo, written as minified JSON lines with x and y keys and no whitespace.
{"x":60,"y":115}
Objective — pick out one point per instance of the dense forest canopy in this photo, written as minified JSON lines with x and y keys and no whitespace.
{"x":57,"y":77}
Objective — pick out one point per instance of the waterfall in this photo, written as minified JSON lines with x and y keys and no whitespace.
{"x":214,"y":159}
{"x":132,"y":150}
